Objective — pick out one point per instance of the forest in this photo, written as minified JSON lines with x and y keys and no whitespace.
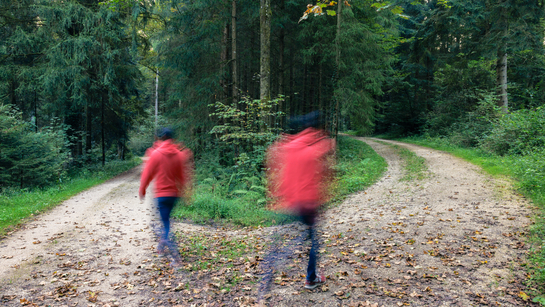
{"x":85,"y":84}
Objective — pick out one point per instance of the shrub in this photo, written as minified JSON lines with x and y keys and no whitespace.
{"x":518,"y":133}
{"x":27,"y":157}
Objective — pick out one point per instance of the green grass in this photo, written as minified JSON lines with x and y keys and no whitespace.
{"x":358,"y":167}
{"x":17,"y":206}
{"x":528,"y":174}
{"x":491,"y":164}
{"x":415,"y":166}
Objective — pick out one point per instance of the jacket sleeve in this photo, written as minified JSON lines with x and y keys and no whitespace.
{"x":147,"y":175}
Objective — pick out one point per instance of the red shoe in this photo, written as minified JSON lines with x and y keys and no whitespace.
{"x":319,"y":280}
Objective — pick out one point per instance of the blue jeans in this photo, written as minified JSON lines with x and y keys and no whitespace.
{"x":165,"y":205}
{"x":309,"y":218}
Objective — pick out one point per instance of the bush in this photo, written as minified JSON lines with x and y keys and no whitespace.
{"x":518,"y":133}
{"x":29,"y":158}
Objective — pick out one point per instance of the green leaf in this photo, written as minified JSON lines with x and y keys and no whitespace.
{"x":331,"y":12}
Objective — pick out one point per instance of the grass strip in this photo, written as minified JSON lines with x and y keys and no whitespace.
{"x":415,"y":166}
{"x":358,"y":166}
{"x":17,"y":206}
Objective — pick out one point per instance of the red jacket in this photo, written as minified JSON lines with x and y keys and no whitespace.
{"x":150,"y":150}
{"x":172,"y":169}
{"x":298,"y":168}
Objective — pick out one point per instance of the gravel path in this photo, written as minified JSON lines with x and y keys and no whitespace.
{"x":455,"y":238}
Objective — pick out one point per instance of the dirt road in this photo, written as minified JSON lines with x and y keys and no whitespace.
{"x":455,"y":238}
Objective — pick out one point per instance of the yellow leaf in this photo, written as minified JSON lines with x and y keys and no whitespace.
{"x":524,"y":296}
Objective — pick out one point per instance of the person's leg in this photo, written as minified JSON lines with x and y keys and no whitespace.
{"x":165,"y":205}
{"x":311,"y":270}
{"x":308,"y":218}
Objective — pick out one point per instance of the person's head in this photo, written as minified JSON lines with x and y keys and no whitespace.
{"x":300,"y":123}
{"x":165,"y":134}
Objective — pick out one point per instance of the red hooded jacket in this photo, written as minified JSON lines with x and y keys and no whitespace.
{"x":298,"y":168}
{"x":172,"y":169}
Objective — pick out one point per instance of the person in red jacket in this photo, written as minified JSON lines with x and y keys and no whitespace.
{"x":299,"y":169}
{"x":171,"y":167}
{"x":150,"y":150}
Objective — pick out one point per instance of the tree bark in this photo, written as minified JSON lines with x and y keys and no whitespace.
{"x":103,"y":125}
{"x":265,"y":71}
{"x":234,"y":49}
{"x":156,"y":97}
{"x":223,"y":60}
{"x":501,"y":80}
{"x":338,"y":65}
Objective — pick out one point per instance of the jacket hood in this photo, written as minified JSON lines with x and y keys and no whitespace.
{"x":169,"y":148}
{"x":307,"y":137}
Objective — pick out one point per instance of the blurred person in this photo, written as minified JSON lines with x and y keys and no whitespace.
{"x":170,"y":165}
{"x":299,"y":170}
{"x":156,"y":143}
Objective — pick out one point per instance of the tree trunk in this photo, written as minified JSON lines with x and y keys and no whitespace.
{"x":281,"y":56}
{"x":234,"y":49}
{"x":320,"y":93}
{"x":103,"y":125}
{"x":88,"y":123}
{"x":501,"y":80}
{"x":36,"y":111}
{"x":156,"y":97}
{"x":265,"y":70}
{"x":281,"y":47}
{"x":223,"y":61}
{"x":338,"y":65}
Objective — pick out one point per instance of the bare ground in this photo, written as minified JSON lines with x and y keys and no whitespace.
{"x":456,"y":238}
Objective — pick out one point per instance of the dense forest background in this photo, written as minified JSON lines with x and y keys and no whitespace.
{"x":80,"y":79}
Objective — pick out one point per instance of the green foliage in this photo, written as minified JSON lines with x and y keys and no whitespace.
{"x":29,"y":158}
{"x":249,"y":122}
{"x":518,"y":133}
{"x":226,"y":195}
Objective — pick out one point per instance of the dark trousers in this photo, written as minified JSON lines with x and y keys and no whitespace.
{"x":165,"y":205}
{"x":309,"y":219}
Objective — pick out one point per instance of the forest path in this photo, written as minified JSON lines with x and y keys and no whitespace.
{"x":455,"y":238}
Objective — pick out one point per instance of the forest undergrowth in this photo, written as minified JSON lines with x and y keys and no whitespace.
{"x":227,"y":195}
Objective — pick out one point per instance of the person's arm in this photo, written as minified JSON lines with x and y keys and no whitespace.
{"x":147,"y":176}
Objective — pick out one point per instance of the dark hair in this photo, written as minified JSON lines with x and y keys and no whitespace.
{"x":165,"y":134}
{"x":302,"y":122}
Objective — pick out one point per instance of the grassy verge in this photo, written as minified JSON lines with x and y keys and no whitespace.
{"x":528,"y":173}
{"x":358,"y":166}
{"x":16,"y":205}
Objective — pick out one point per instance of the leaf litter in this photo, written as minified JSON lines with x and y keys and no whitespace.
{"x":447,"y":238}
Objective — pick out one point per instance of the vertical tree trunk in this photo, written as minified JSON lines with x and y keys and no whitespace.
{"x":223,"y":61}
{"x":281,"y":47}
{"x":265,"y":70}
{"x":88,"y":123}
{"x":103,"y":125}
{"x":36,"y":111}
{"x":321,"y":93}
{"x":501,"y":80}
{"x":156,"y":97}
{"x":281,"y":56}
{"x":234,"y":49}
{"x":338,"y":65}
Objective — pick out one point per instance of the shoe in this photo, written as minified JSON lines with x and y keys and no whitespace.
{"x":319,"y":280}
